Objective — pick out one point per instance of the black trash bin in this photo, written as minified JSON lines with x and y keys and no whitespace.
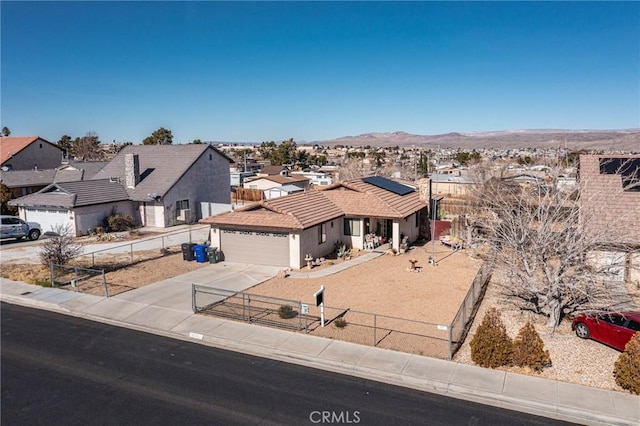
{"x":213,"y":254}
{"x":187,"y":251}
{"x":201,"y":252}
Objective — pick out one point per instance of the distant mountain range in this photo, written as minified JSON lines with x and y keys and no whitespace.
{"x":607,"y":140}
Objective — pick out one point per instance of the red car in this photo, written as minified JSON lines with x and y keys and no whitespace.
{"x":612,"y":329}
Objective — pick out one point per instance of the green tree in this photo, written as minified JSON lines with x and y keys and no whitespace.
{"x":65,"y":143}
{"x":197,"y":141}
{"x":5,"y":196}
{"x":6,"y":131}
{"x":161,"y":136}
{"x":463,"y":158}
{"x":266,"y":149}
{"x":423,"y":163}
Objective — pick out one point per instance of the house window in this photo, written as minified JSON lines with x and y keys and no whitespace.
{"x":352,"y":227}
{"x":182,"y":211}
{"x":322,"y":233}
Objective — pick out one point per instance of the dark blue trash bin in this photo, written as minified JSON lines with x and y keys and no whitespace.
{"x":201,"y":252}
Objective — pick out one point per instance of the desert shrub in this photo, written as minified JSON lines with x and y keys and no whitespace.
{"x":626,"y":369}
{"x":528,"y":349}
{"x":286,"y":312}
{"x":119,"y":223}
{"x":340,"y":322}
{"x":59,"y":249}
{"x":491,"y":346}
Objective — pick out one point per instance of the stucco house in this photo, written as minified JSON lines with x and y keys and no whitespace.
{"x":283,"y":231}
{"x":158,"y":185}
{"x":25,"y":182}
{"x":270,"y":181}
{"x":29,"y":153}
{"x":168,"y":182}
{"x":281,"y":191}
{"x":80,"y":205}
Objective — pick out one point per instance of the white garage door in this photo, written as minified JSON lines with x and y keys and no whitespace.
{"x":49,"y":219}
{"x":257,"y":247}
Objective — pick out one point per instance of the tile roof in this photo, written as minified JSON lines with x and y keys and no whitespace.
{"x":280,"y":179}
{"x":23,"y":178}
{"x":161,"y":166}
{"x":401,"y":205}
{"x":75,"y":194}
{"x":10,"y":145}
{"x":304,"y":210}
{"x":77,"y":171}
{"x":272,"y":170}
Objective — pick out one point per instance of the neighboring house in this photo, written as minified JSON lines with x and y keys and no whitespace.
{"x":281,"y":191}
{"x":29,"y":153}
{"x":316,"y":178}
{"x":80,"y":205}
{"x":168,"y":183}
{"x":238,"y":178}
{"x":25,"y":182}
{"x":283,"y":231}
{"x":157,"y":185}
{"x":451,"y":182}
{"x":267,"y":182}
{"x":270,"y":170}
{"x":610,"y":211}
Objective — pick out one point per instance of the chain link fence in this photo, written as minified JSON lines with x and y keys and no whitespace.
{"x":365,"y":328}
{"x":83,"y":280}
{"x":149,"y":248}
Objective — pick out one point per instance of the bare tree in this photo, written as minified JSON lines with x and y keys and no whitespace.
{"x":353,"y":168}
{"x":59,"y":249}
{"x":545,"y":240}
{"x":87,"y":147}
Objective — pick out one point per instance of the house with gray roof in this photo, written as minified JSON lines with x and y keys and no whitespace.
{"x":169,"y":182}
{"x":157,"y":185}
{"x":80,"y":205}
{"x":25,"y":182}
{"x":284,"y":230}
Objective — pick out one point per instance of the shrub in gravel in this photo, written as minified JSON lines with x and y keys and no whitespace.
{"x":627,"y":368}
{"x":528,"y":349}
{"x":340,"y":322}
{"x":286,"y":312}
{"x":491,"y":346}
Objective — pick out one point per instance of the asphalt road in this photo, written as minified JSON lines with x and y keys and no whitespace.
{"x":62,"y":370}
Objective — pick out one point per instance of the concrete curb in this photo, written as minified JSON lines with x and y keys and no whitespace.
{"x":404,"y":379}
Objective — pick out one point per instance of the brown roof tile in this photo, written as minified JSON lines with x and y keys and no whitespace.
{"x":304,"y":210}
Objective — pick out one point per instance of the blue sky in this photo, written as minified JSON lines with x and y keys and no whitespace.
{"x":258,"y":71}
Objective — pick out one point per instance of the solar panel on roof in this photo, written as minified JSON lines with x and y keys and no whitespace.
{"x":389,"y":185}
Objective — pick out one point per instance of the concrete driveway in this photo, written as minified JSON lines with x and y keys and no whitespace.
{"x":175,"y":293}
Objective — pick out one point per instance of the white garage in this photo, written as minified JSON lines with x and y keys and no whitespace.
{"x":49,"y":218}
{"x":257,"y":247}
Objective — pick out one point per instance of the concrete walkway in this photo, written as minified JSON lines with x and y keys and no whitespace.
{"x":164,"y":308}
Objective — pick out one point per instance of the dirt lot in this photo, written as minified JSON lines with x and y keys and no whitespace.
{"x":158,"y":266}
{"x":387,"y":287}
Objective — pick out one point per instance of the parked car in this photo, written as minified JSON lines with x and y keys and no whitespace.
{"x":14,"y":227}
{"x":612,"y":329}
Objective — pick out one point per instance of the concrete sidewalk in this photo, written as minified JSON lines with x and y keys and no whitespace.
{"x":164,"y":308}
